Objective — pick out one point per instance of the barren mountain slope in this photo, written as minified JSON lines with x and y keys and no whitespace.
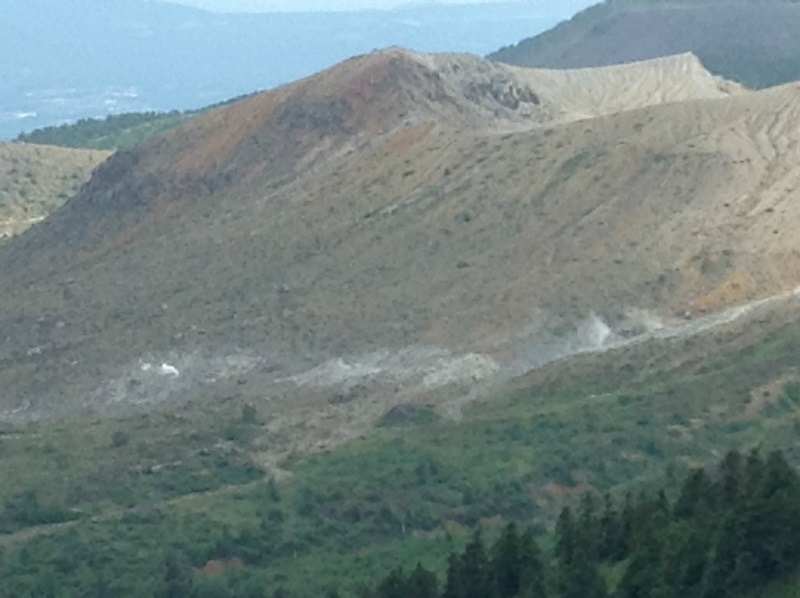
{"x":266,"y":141}
{"x":590,"y":92}
{"x":579,"y":93}
{"x":34,"y":180}
{"x":375,"y":216}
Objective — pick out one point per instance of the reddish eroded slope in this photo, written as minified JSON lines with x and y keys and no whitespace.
{"x":260,"y":143}
{"x":264,"y":142}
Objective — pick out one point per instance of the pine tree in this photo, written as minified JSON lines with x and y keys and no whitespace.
{"x":685,"y":557}
{"x":576,"y":577}
{"x":475,"y":568}
{"x":177,"y":578}
{"x":565,"y":538}
{"x":505,"y":566}
{"x":778,"y":476}
{"x":580,"y":578}
{"x":455,"y":584}
{"x":532,"y":574}
{"x":422,"y":583}
{"x":770,"y":522}
{"x":468,"y":574}
{"x":587,"y":532}
{"x":753,"y":472}
{"x":608,"y":532}
{"x":626,"y":528}
{"x":696,"y":497}
{"x":650,"y":517}
{"x":643,"y":576}
{"x":719,"y":574}
{"x":731,"y":479}
{"x":394,"y":586}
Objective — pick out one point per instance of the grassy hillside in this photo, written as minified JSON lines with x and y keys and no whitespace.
{"x":752,"y":43}
{"x":142,"y":488}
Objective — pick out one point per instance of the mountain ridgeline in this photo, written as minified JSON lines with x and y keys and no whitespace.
{"x":162,"y":56}
{"x":749,"y":42}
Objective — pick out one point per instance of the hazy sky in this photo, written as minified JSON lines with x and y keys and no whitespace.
{"x":561,"y":6}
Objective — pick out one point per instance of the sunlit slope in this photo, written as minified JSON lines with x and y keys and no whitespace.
{"x":414,"y":206}
{"x":34,"y":180}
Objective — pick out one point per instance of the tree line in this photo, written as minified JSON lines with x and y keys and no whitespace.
{"x":725,"y":534}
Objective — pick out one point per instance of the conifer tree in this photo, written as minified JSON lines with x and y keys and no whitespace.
{"x":579,"y":578}
{"x":753,"y":471}
{"x":475,"y":568}
{"x":456,"y":583}
{"x":685,"y":557}
{"x":720,"y":580}
{"x":731,"y":479}
{"x":565,"y":538}
{"x":587,"y":532}
{"x":696,"y":496}
{"x":506,"y":563}
{"x":770,"y":525}
{"x":626,"y":528}
{"x":643,"y":575}
{"x":394,"y":586}
{"x":608,"y":531}
{"x":532,"y":575}
{"x":177,"y":578}
{"x":422,"y":583}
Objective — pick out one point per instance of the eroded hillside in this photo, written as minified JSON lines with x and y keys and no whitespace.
{"x":402,"y":224}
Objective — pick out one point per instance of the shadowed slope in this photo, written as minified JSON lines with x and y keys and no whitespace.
{"x":750,"y":42}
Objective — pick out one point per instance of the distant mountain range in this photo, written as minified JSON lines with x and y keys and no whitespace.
{"x":754,"y":43}
{"x":63,"y":61}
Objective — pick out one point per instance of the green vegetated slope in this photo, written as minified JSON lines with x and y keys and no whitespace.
{"x":113,"y":132}
{"x":115,"y":505}
{"x":750,"y":42}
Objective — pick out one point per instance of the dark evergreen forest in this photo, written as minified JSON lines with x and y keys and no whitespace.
{"x":725,"y":534}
